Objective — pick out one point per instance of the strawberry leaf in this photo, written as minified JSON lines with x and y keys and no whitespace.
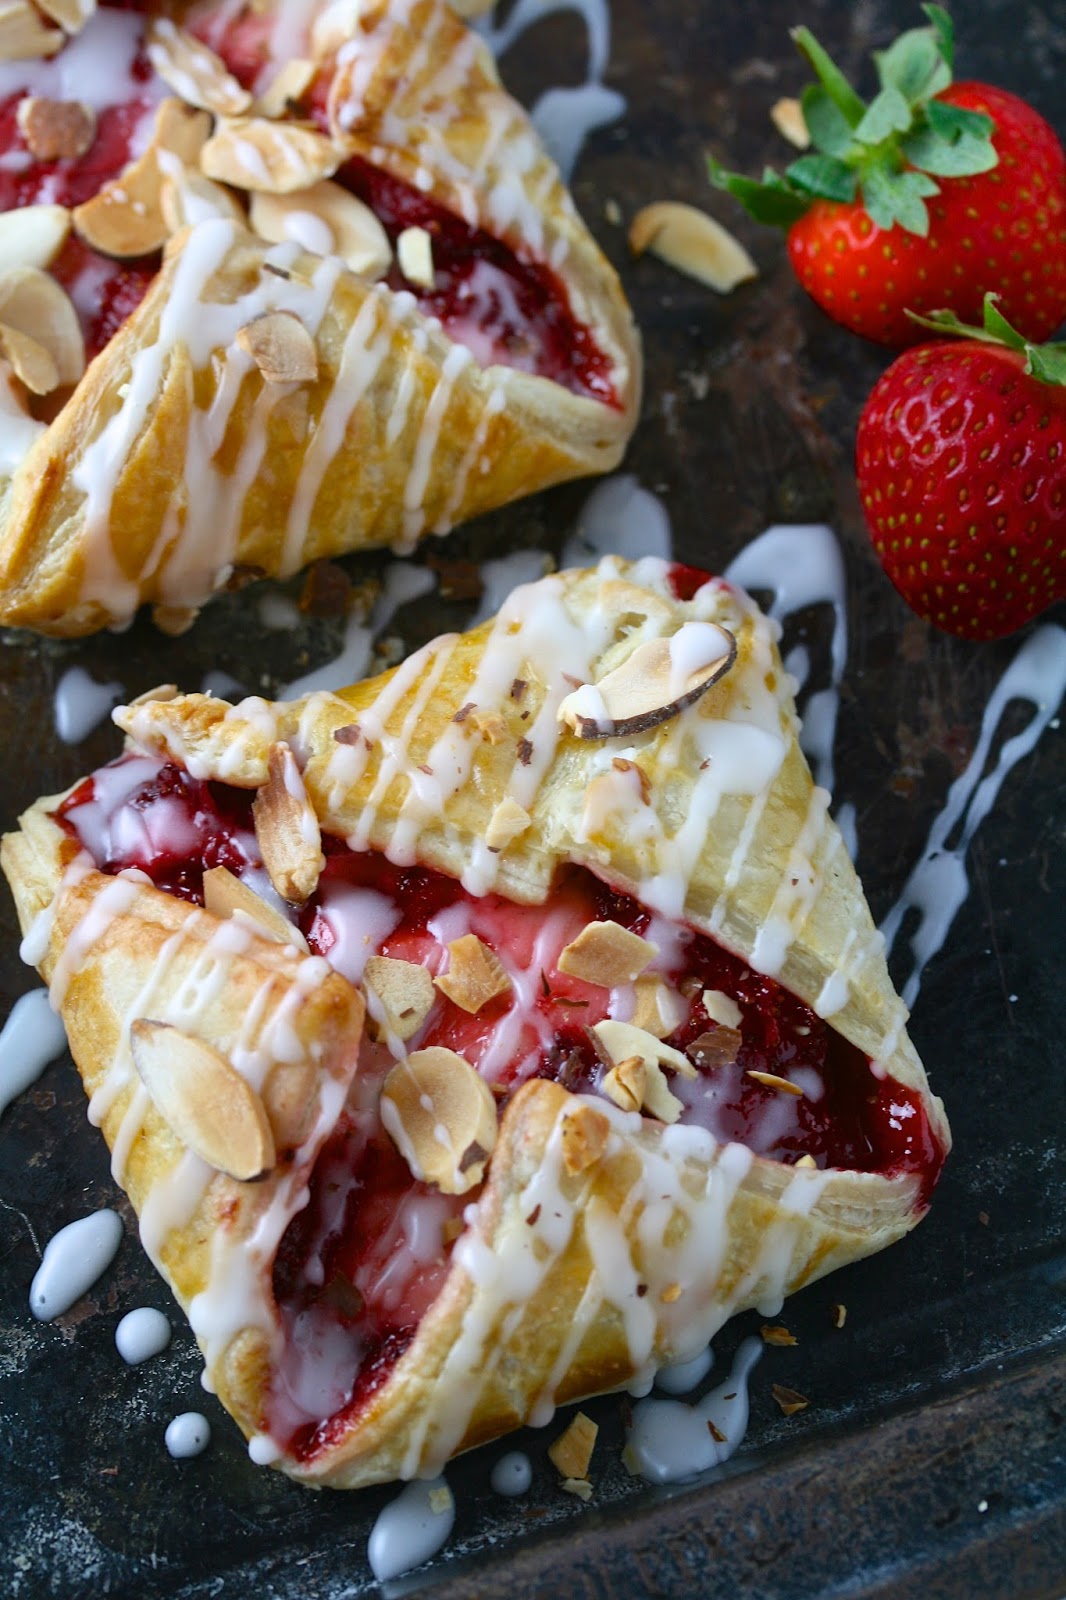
{"x":898,"y":197}
{"x":830,"y":77}
{"x":830,"y":130}
{"x":953,"y":144}
{"x":914,"y":66}
{"x":1047,"y":362}
{"x":771,"y":201}
{"x":888,"y":113}
{"x":944,"y":31}
{"x":823,"y":176}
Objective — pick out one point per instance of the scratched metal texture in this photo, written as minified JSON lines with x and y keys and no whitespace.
{"x":931,"y":1460}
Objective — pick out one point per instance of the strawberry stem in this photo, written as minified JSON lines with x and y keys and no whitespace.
{"x":1046,"y":362}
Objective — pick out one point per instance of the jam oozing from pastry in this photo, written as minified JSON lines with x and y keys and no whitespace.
{"x":359,"y":1266}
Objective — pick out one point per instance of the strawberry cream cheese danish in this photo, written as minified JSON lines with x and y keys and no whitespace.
{"x":277,"y":283}
{"x":631,"y":1061}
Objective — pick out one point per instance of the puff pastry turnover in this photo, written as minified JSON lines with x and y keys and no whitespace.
{"x":632,"y":1059}
{"x":377,"y":312}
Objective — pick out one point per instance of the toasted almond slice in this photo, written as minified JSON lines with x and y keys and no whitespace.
{"x":23,"y":36}
{"x":414,"y":254}
{"x":721,"y":1008}
{"x":659,"y":1008}
{"x":32,"y":236}
{"x":659,"y":679}
{"x":34,"y":303}
{"x":571,"y":1453}
{"x":772,"y":1081}
{"x":507,"y":823}
{"x":475,"y":974}
{"x":787,"y":117}
{"x":285,"y":89}
{"x":56,"y":130}
{"x":607,"y":954}
{"x":206,"y":1102}
{"x":125,"y":219}
{"x":29,"y":361}
{"x":226,"y":896}
{"x":622,"y":1039}
{"x":718,"y":1047}
{"x":659,"y":1099}
{"x":584,"y":1136}
{"x":405,"y":991}
{"x":693,"y":243}
{"x":441,"y":1116}
{"x":180,"y":129}
{"x":72,"y":15}
{"x":286,"y":827}
{"x":580,"y":1488}
{"x":268,"y":157}
{"x":777,"y":1334}
{"x":193,"y":71}
{"x":326,"y":220}
{"x":186,"y":197}
{"x":281,"y":347}
{"x":626,"y":1084}
{"x":806,"y":1161}
{"x":788,"y":1399}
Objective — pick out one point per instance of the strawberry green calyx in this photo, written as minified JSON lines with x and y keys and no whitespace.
{"x":1045,"y":362}
{"x":889,"y":153}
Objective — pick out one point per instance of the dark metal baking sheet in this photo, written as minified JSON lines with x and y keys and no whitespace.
{"x":932,"y":1459}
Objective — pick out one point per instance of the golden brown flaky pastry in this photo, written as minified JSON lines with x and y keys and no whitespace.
{"x":482,"y":756}
{"x":204,"y":445}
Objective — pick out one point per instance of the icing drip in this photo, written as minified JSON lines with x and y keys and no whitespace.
{"x":73,"y":1260}
{"x":512,"y":1474}
{"x":187,"y":1435}
{"x":411,"y":1529}
{"x":33,"y":1036}
{"x":81,"y":704}
{"x":142,"y":1334}
{"x":670,"y":1441}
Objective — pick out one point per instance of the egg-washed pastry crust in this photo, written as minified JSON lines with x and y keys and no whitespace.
{"x":603,"y":1243}
{"x":185,"y":459}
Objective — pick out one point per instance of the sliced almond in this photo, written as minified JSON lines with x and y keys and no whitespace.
{"x":268,"y":157}
{"x":626,"y":1084}
{"x":718,"y":1047}
{"x":286,"y":827}
{"x":405,"y":991}
{"x":125,"y":219}
{"x":806,"y":1161}
{"x":777,"y":1334}
{"x":722,"y":1008}
{"x":507,"y":823}
{"x":23,"y":36}
{"x":584,"y":1136}
{"x":693,"y":243}
{"x":29,"y":361}
{"x":659,"y":679}
{"x":621,"y":1039}
{"x":787,"y":117}
{"x":580,"y":1488}
{"x":284,"y":91}
{"x":789,"y":1400}
{"x":205,"y":1101}
{"x":328,"y":221}
{"x":441,"y":1116}
{"x":475,"y":974}
{"x":226,"y":896}
{"x":194,"y":71}
{"x":281,"y":347}
{"x":180,"y":130}
{"x":771,"y":1080}
{"x":659,"y":1099}
{"x":659,"y":1008}
{"x":571,"y":1453}
{"x":607,"y":954}
{"x":56,"y":130}
{"x":33,"y":303}
{"x":186,"y":197}
{"x":32,"y":236}
{"x":414,"y":254}
{"x":72,"y":15}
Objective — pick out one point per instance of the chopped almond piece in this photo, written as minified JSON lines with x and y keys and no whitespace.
{"x":414,"y":255}
{"x":580,"y":1487}
{"x":285,"y":88}
{"x":125,"y":219}
{"x":787,"y":117}
{"x":622,"y":1039}
{"x":205,"y":1101}
{"x":775,"y":1333}
{"x":722,"y":1008}
{"x":441,"y":1116}
{"x":56,"y":130}
{"x":693,"y":243}
{"x":659,"y":1009}
{"x":671,"y":1294}
{"x":406,"y":993}
{"x":281,"y":347}
{"x":607,"y":954}
{"x":28,"y":360}
{"x":659,"y":1099}
{"x":23,"y":35}
{"x":626,"y":1084}
{"x":571,"y":1453}
{"x":584,"y":1138}
{"x":771,"y":1080}
{"x":789,"y":1400}
{"x":32,"y":236}
{"x":34,"y":304}
{"x":507,"y":822}
{"x":490,"y":725}
{"x":838,"y":1315}
{"x":475,"y":974}
{"x":718,"y":1047}
{"x":226,"y":896}
{"x":286,"y":827}
{"x":806,"y":1161}
{"x":269,"y":157}
{"x":193,"y":71}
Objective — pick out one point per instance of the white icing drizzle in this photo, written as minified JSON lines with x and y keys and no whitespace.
{"x":620,"y":518}
{"x":142,"y":1334}
{"x":73,"y":1260}
{"x":81,"y":704}
{"x":681,"y":1376}
{"x":187,"y":1435}
{"x":512,"y":1474}
{"x":938,"y":885}
{"x":33,"y":1036}
{"x":411,"y":1529}
{"x":670,"y":1441}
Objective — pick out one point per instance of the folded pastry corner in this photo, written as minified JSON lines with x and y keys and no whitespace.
{"x":378,"y":313}
{"x":632,"y":1059}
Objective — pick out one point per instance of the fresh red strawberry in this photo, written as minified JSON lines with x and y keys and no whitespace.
{"x":961,"y":459}
{"x":927,"y":198}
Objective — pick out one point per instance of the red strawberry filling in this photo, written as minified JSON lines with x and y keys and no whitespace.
{"x":363,"y":1261}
